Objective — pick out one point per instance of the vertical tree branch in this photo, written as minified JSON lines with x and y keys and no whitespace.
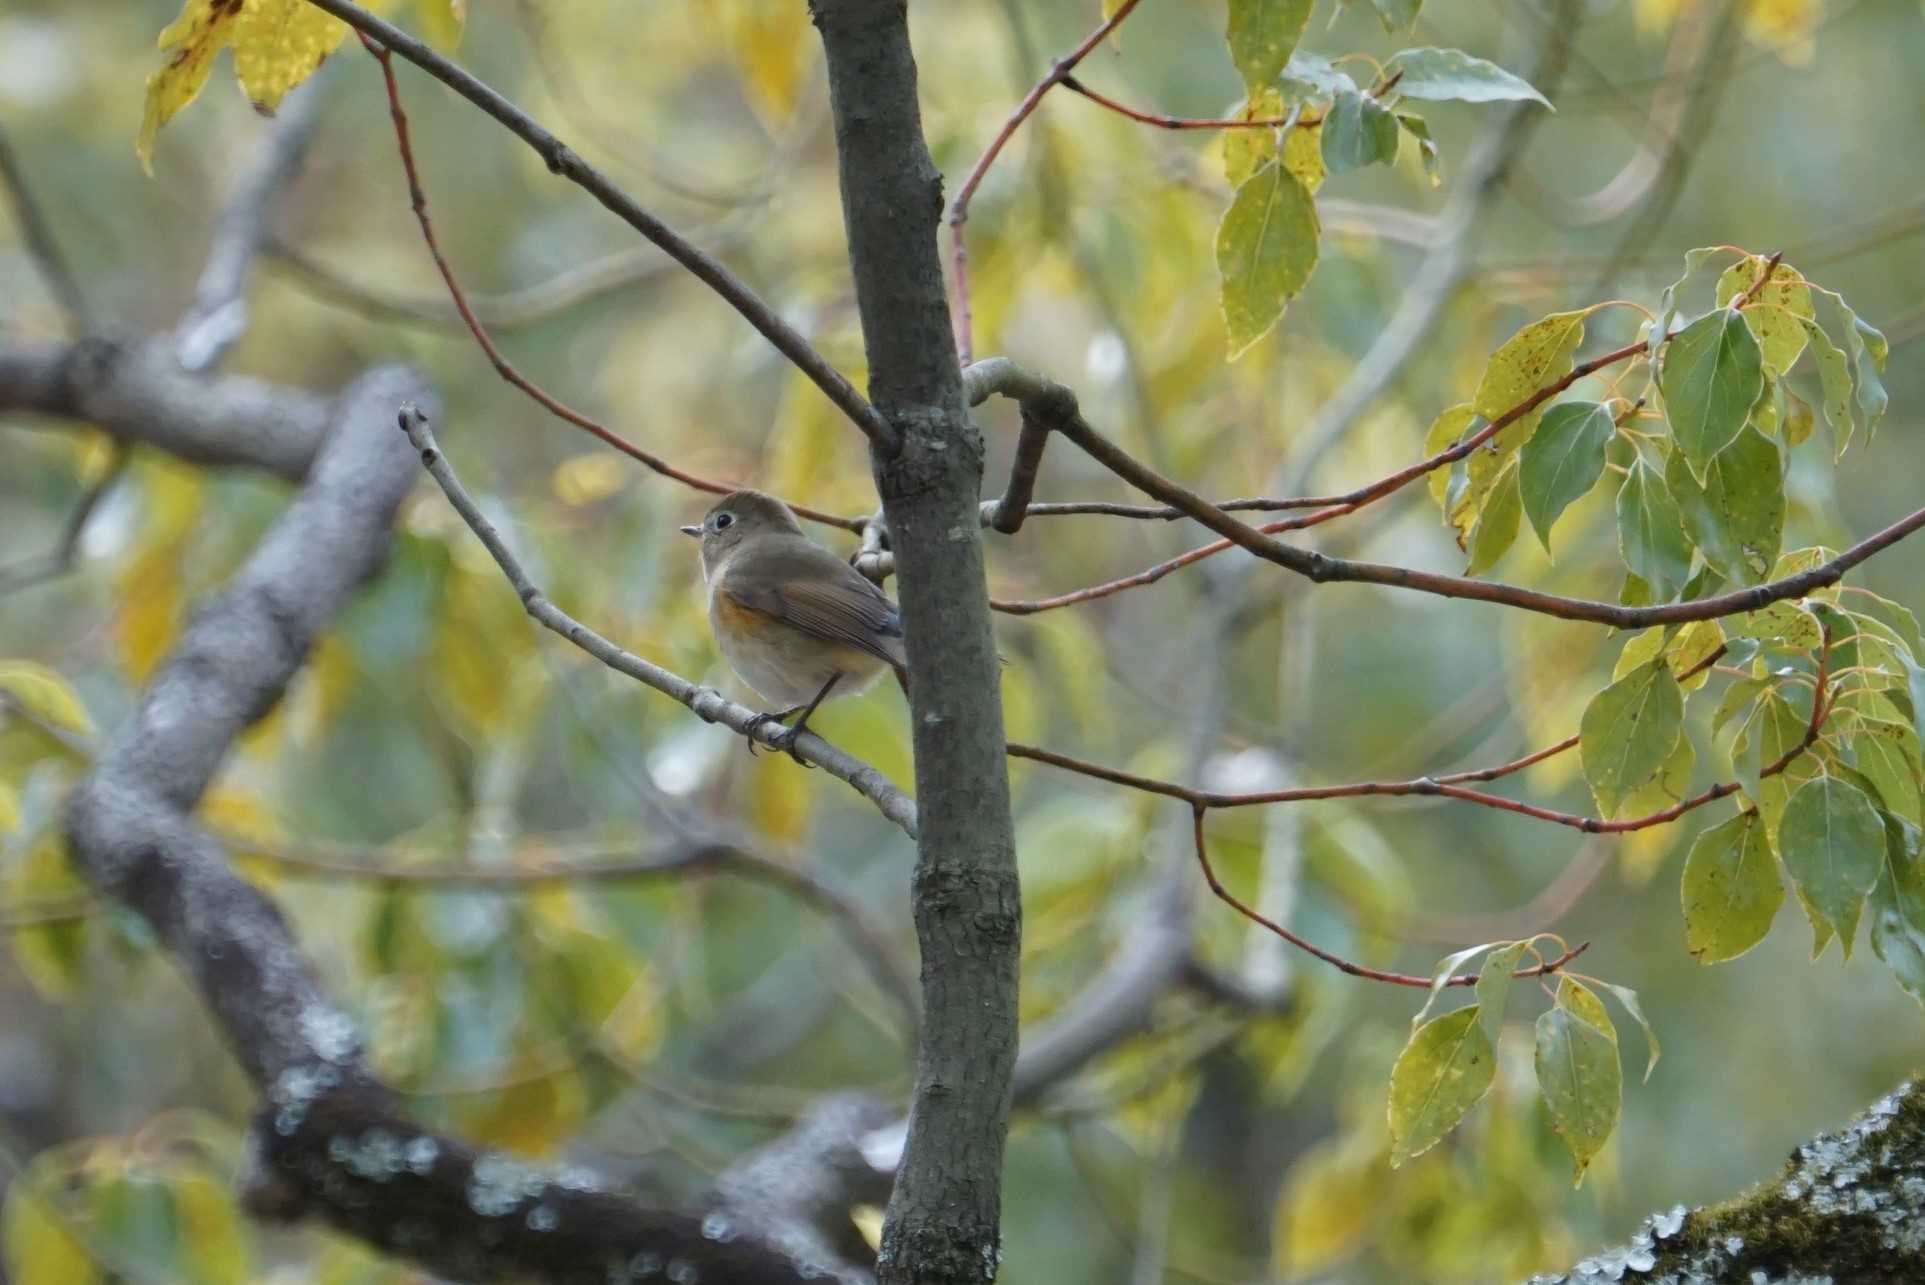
{"x":943,"y":1217}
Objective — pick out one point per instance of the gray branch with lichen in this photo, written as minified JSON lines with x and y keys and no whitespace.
{"x":1848,"y":1207}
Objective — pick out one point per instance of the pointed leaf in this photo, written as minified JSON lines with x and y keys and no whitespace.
{"x":1563,"y":460}
{"x":1265,"y":249}
{"x":1263,"y":34}
{"x":1534,"y":358}
{"x":1651,"y":531}
{"x":1834,"y":846}
{"x":1710,"y":377}
{"x":1582,"y":1084}
{"x":1652,"y":1051}
{"x":1496,"y":527}
{"x":1453,"y":75}
{"x":1494,"y":984}
{"x":1357,"y":131}
{"x":1629,"y":731}
{"x":1897,"y":924}
{"x":1731,"y":890}
{"x":1736,"y":515}
{"x":1444,"y":1071}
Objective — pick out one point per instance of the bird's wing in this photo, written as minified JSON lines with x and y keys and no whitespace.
{"x":843,"y":608}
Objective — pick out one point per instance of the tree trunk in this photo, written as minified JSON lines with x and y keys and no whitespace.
{"x":942,"y":1223}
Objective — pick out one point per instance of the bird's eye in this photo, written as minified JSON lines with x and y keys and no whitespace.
{"x":723,"y":521}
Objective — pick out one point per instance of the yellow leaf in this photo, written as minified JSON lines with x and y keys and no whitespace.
{"x":280,"y":43}
{"x":584,"y":479}
{"x":531,"y":1118}
{"x":204,"y":28}
{"x":45,"y":695}
{"x":150,"y":608}
{"x":443,"y":21}
{"x":213,"y":1239}
{"x":51,"y":954}
{"x":771,"y":47}
{"x":1326,"y":1205}
{"x":37,"y":1246}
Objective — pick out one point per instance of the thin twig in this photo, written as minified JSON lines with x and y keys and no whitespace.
{"x":53,"y":565}
{"x":1161,"y":121}
{"x":506,"y":369}
{"x":218,"y":316}
{"x":564,"y":161}
{"x":42,"y":248}
{"x":959,"y":208}
{"x":708,"y":704}
{"x":1336,"y":961}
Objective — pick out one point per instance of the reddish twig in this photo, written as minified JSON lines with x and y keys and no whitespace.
{"x":1187,"y":122}
{"x":1059,"y":71}
{"x":1328,"y":506}
{"x":418,"y":200}
{"x":1230,"y":899}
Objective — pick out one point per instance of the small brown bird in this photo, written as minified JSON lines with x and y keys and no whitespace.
{"x":794,"y":621}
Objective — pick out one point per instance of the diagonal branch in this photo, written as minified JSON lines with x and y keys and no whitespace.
{"x":708,"y":704}
{"x":419,"y":201}
{"x":42,"y":248}
{"x":563,"y":160}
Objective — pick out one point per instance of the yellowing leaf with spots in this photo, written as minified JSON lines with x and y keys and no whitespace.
{"x":280,"y":43}
{"x":189,"y":43}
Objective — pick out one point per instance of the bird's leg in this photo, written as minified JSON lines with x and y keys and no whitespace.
{"x":801,"y":724}
{"x":762,"y":720}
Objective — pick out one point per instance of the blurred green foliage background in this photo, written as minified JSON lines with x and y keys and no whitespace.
{"x":663,"y":1026}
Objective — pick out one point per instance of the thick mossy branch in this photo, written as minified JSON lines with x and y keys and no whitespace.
{"x":1848,"y":1206}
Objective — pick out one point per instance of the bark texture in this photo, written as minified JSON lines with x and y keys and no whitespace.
{"x":943,"y":1217}
{"x":1848,"y":1207}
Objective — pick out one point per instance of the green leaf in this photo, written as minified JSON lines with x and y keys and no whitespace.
{"x":1579,"y":1076}
{"x":1496,"y":527}
{"x":1632,"y":1005}
{"x":1417,"y":130}
{"x":1710,"y":377}
{"x":1834,"y":378}
{"x":1629,"y":731}
{"x":1897,"y":926}
{"x":1784,"y":621}
{"x":1563,"y":460}
{"x":1534,"y":358}
{"x":1444,"y":1071}
{"x":1668,"y":788}
{"x":1263,"y":34}
{"x":1651,"y":531}
{"x":1358,"y":131}
{"x":1265,"y":249}
{"x":1312,"y":77}
{"x":1494,"y":984}
{"x":1452,"y":75}
{"x":1731,"y":890}
{"x":1736,"y":515}
{"x":1834,"y":845}
{"x":1885,"y":752}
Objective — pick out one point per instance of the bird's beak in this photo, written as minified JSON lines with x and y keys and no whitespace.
{"x":695,"y":531}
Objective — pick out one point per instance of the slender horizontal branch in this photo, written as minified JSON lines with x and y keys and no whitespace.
{"x":564,"y":161}
{"x":708,"y":704}
{"x":1053,"y":408}
{"x":1161,"y":121}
